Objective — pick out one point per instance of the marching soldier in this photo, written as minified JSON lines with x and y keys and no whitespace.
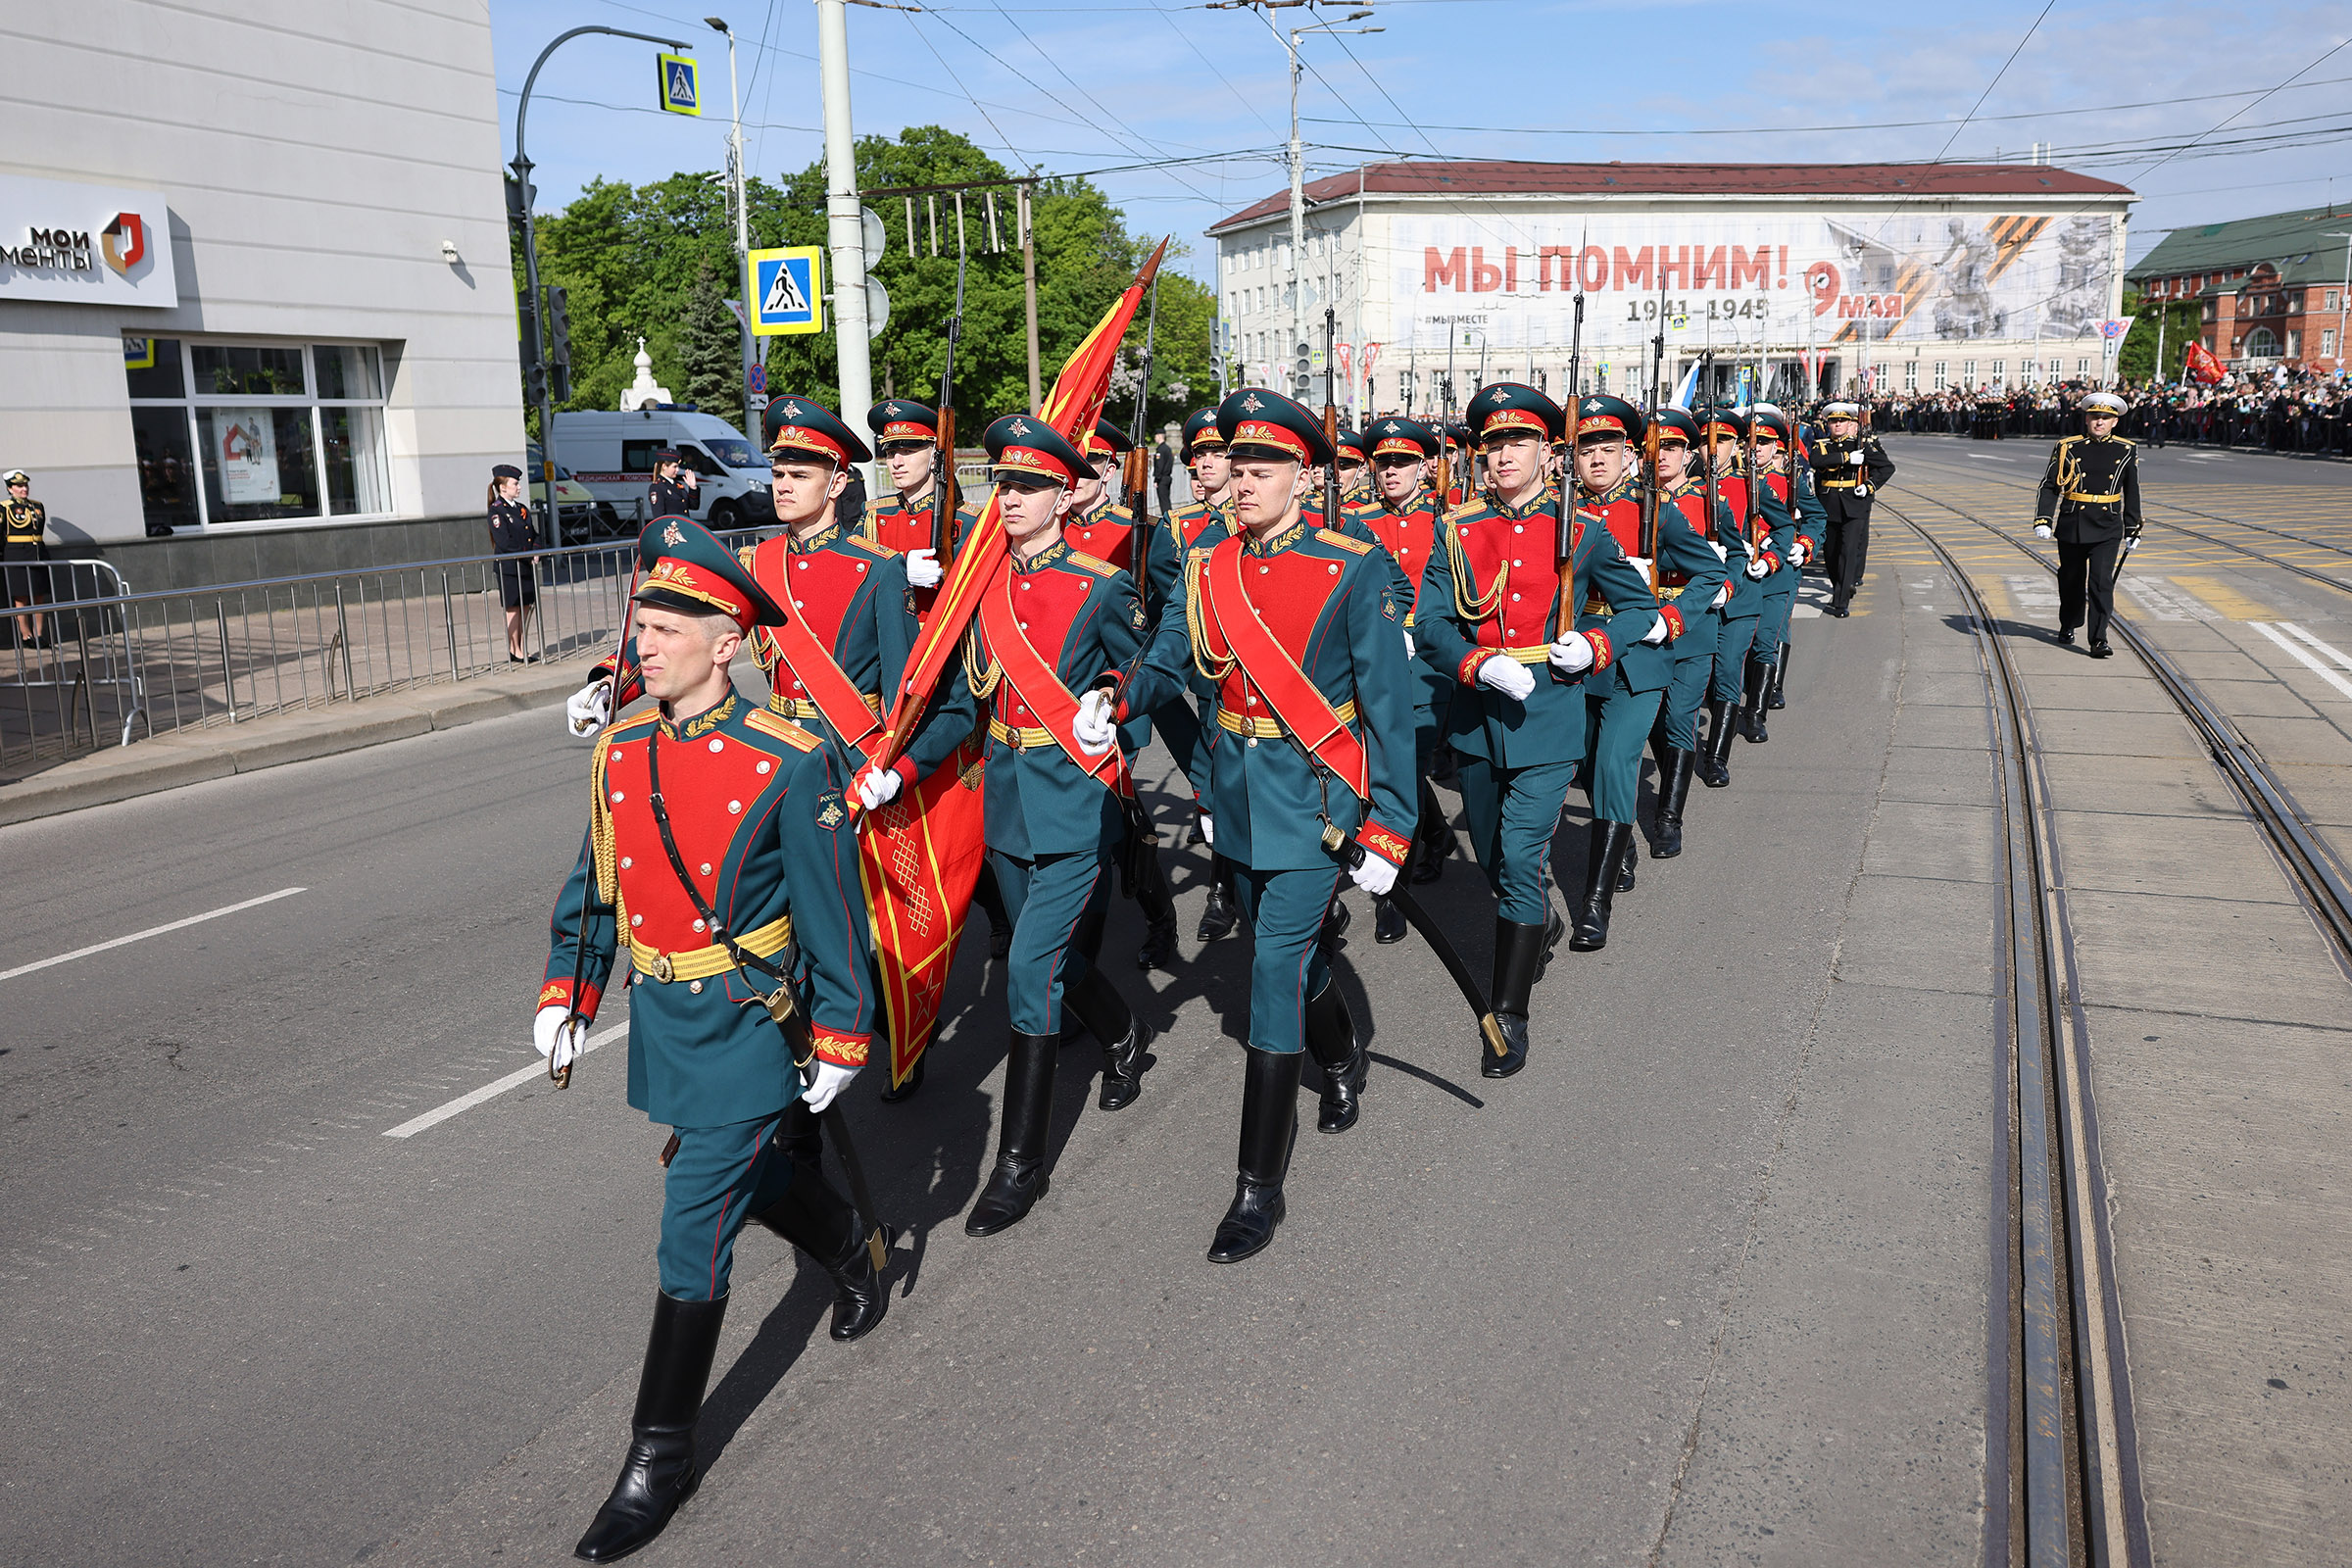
{"x":1405,"y":518}
{"x":1100,"y":524}
{"x":907,"y":439}
{"x":1765,"y":530}
{"x":1493,"y":618}
{"x":1204,"y":520}
{"x":1847,"y":470}
{"x":27,"y":522}
{"x":1301,"y":631}
{"x":1693,"y":584}
{"x":1052,"y":623}
{"x":1622,"y":706}
{"x":2090,"y":503}
{"x":717,"y":844}
{"x":1788,"y":481}
{"x":677,"y":490}
{"x":1355,"y":468}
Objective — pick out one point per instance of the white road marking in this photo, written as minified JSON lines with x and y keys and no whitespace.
{"x":495,"y":1088}
{"x":2317,"y":669}
{"x":151,"y":931}
{"x":2340,"y":658}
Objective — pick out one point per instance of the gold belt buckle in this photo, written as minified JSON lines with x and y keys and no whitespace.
{"x":662,"y":968}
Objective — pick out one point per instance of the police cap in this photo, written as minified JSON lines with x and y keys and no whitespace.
{"x":1399,"y":437}
{"x":1502,"y":411}
{"x":1351,"y":448}
{"x":2103,"y":403}
{"x":1676,"y":425}
{"x":1841,"y":411}
{"x":1200,"y":430}
{"x":1603,"y":417}
{"x":503,"y":471}
{"x":895,"y":419}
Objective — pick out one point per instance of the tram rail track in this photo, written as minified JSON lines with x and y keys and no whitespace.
{"x":2062,"y":1474}
{"x":2314,"y":869}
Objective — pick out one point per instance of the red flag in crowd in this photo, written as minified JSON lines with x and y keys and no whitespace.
{"x":2201,"y":365}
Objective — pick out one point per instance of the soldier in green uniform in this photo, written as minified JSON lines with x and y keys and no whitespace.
{"x":1695,"y":550}
{"x":1490,"y":618}
{"x":720,"y":858}
{"x":1788,"y":480}
{"x":2090,"y":504}
{"x":1765,"y":529}
{"x":1053,"y":624}
{"x":27,"y":522}
{"x":1623,"y":711}
{"x":907,"y":439}
{"x":1355,"y":468}
{"x":1195,"y":523}
{"x":1313,"y":779}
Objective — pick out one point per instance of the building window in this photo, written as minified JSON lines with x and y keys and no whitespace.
{"x":1999,"y":376}
{"x":2336,"y":299}
{"x":1967,"y":372}
{"x":2295,"y":343}
{"x":1943,"y":372}
{"x":1878,"y":379}
{"x":2081,"y":368}
{"x":256,"y":432}
{"x":2261,"y":344}
{"x":1911,"y":375}
{"x":2328,"y":343}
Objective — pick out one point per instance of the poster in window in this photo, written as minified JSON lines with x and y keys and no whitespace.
{"x":247,"y":455}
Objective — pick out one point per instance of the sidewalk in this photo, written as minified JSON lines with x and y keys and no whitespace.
{"x":188,"y":755}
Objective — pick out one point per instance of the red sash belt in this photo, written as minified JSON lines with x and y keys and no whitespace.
{"x":1034,"y":680}
{"x":1294,"y":699}
{"x":836,"y":695}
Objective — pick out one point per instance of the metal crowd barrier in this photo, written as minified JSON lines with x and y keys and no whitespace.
{"x":121,"y":664}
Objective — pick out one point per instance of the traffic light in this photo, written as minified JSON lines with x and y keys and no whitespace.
{"x":519,"y":197}
{"x":1303,"y":378}
{"x":558,"y":342}
{"x":534,"y":385}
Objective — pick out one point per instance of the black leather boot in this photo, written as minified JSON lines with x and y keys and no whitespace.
{"x":1335,"y":918}
{"x":1345,"y":1063}
{"x":1674,"y":788}
{"x":1715,"y":746}
{"x":1757,"y":675}
{"x":1626,"y":863}
{"x":660,"y":1472}
{"x":1434,"y":839}
{"x":821,"y":1222}
{"x":1605,"y":844}
{"x":1774,"y":697}
{"x":1019,"y":1179}
{"x":1158,"y":907}
{"x":1518,"y":954}
{"x":1219,"y":915}
{"x":1269,"y":1126}
{"x":1389,"y":924}
{"x":1098,"y":1004}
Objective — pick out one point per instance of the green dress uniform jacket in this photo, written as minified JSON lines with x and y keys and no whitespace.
{"x":1491,"y":589}
{"x":1640,"y":666}
{"x":754,"y":803}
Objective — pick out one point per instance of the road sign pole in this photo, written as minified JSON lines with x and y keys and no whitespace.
{"x":845,"y":219}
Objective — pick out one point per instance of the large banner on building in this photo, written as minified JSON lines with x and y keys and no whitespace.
{"x":1780,"y":279}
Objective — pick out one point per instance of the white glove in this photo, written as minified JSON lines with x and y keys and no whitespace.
{"x":1639,"y":564}
{"x":1509,"y":677}
{"x":1757,"y":571}
{"x":1854,"y":458}
{"x":1657,"y":634}
{"x":830,"y":1081}
{"x":1861,"y":490}
{"x":1411,"y":651}
{"x":1095,"y":730}
{"x":2043,"y":530}
{"x":1721,"y":553}
{"x":877,"y":787}
{"x":923,"y":570}
{"x":2130,"y":543}
{"x":589,"y":710}
{"x":1374,"y":876}
{"x":1208,"y":830}
{"x":1722,"y":595}
{"x":1572,"y":656}
{"x":1800,"y":552}
{"x":553,"y":1038}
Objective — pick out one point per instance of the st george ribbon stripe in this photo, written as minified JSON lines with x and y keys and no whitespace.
{"x":151,"y":931}
{"x":495,"y":1088}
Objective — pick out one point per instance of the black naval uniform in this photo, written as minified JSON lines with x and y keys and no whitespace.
{"x":28,"y":525}
{"x":1845,"y":489}
{"x":2090,"y":497}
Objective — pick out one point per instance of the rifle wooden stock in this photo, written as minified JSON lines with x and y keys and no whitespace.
{"x":1136,"y":475}
{"x":944,"y":498}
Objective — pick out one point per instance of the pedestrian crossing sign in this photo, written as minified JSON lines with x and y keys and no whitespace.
{"x":787,"y":290}
{"x":681,"y":86}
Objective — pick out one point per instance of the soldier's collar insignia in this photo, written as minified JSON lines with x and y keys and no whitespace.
{"x":815,"y":542}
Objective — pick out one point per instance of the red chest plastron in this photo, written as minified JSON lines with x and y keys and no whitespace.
{"x":1108,"y":538}
{"x":1046,"y":603}
{"x":820,"y":585}
{"x":711,"y":795}
{"x":1625,"y":524}
{"x":1408,"y":536}
{"x":903,"y":530}
{"x":1288,"y":591}
{"x":1518,"y":550}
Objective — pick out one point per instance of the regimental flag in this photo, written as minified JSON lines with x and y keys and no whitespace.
{"x":920,"y":859}
{"x":2201,"y":365}
{"x":920,"y":856}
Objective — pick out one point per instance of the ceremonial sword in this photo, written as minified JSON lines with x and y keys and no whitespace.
{"x":1432,"y":932}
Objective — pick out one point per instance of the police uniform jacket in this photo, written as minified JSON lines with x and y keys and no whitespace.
{"x":27,"y":523}
{"x":512,"y":530}
{"x":1086,"y":621}
{"x":670,"y":498}
{"x":1326,"y":599}
{"x":1835,"y":479}
{"x":756,"y":805}
{"x":1492,"y":588}
{"x":2091,"y":490}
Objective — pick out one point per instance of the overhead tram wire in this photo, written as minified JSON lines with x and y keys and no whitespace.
{"x":1994,"y":82}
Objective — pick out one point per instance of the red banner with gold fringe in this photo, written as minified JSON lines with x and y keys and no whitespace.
{"x":919,"y":858}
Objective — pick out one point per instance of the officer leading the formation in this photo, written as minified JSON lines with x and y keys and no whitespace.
{"x":718,"y":842}
{"x":1847,"y":469}
{"x":2090,"y":503}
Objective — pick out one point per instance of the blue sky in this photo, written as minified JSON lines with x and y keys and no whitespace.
{"x":1071,"y":88}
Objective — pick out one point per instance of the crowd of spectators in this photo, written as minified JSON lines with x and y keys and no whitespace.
{"x":2305,"y":413}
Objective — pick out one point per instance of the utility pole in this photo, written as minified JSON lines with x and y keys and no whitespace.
{"x":743,"y":226}
{"x":844,"y":218}
{"x":1025,"y":215}
{"x":530,"y":242}
{"x":2343,"y":308}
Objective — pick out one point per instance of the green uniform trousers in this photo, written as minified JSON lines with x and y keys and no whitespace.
{"x":1617,"y":726}
{"x":1693,"y":668}
{"x":1512,"y":813}
{"x":1731,"y":645}
{"x":719,"y":1178}
{"x":1049,"y":900}
{"x":1285,"y":913}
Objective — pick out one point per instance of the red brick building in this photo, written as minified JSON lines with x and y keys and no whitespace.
{"x":2273,"y":288}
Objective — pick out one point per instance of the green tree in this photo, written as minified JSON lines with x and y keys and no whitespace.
{"x":2137,"y":360}
{"x":711,"y":352}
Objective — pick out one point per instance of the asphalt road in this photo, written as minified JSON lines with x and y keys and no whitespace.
{"x":1703,"y":1285}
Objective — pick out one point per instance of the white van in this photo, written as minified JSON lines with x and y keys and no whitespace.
{"x":612,"y":455}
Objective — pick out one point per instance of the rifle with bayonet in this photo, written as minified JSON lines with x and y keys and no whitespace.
{"x":1331,"y":421}
{"x":945,"y":503}
{"x":1565,"y":626}
{"x":1647,"y":539}
{"x":1137,"y":476}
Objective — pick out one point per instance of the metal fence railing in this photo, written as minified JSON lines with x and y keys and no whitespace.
{"x":113,"y":664}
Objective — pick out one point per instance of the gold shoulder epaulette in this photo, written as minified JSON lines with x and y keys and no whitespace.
{"x":744,"y":554}
{"x":872,"y":546}
{"x":783,"y":729}
{"x":1093,"y":564}
{"x":2125,"y":439}
{"x":622,"y":728}
{"x":1333,"y":536}
{"x":1466,"y":510}
{"x":878,"y":508}
{"x":2067,"y":440}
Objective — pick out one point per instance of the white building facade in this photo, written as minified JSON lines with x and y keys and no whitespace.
{"x":1444,"y":276}
{"x":253,"y":265}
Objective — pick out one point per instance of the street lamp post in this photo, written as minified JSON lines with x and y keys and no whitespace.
{"x":743,"y":217}
{"x":530,"y":239}
{"x":844,"y":216}
{"x":2343,"y":307}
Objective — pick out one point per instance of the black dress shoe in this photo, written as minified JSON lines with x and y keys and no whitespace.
{"x":1389,"y":924}
{"x":1019,"y":1178}
{"x":1158,"y":947}
{"x":899,"y":1093}
{"x":2066,"y":635}
{"x":2100,"y":650}
{"x":1269,"y":1126}
{"x":1221,"y":912}
{"x":660,"y":1472}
